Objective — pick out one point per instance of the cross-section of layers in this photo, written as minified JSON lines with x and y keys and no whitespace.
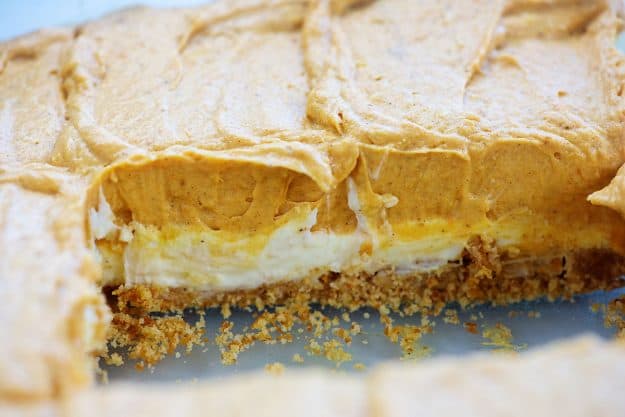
{"x":265,"y":145}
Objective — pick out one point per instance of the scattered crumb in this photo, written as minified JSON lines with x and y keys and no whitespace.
{"x":533,"y":314}
{"x":150,"y":339}
{"x":229,"y":344}
{"x":314,"y":348}
{"x":408,"y":336}
{"x":366,"y":315}
{"x":343,"y":334}
{"x":615,"y":316}
{"x":500,"y":337}
{"x":334,"y":352}
{"x":359,"y":366}
{"x":275,"y":368}
{"x":513,"y":314}
{"x":114,"y":359}
{"x":297,"y":358}
{"x":471,"y":327}
{"x":451,"y":316}
{"x":178,"y":355}
{"x":225,"y":310}
{"x":268,"y":327}
{"x":418,"y":351}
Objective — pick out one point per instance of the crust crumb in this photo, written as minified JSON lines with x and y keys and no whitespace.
{"x":615,"y":317}
{"x":149,"y":339}
{"x":333,"y":351}
{"x":408,"y":336}
{"x":471,"y":327}
{"x":451,"y":316}
{"x":360,"y":366}
{"x":275,"y":368}
{"x":500,"y":337}
{"x":114,"y":359}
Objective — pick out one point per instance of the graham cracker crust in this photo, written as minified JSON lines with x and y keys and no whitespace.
{"x":481,"y":276}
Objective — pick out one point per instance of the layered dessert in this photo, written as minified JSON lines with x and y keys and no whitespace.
{"x":343,"y":151}
{"x":350,"y":153}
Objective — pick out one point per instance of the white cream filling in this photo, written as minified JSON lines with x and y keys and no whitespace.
{"x":292,"y":252}
{"x":102,"y":220}
{"x":206,"y":261}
